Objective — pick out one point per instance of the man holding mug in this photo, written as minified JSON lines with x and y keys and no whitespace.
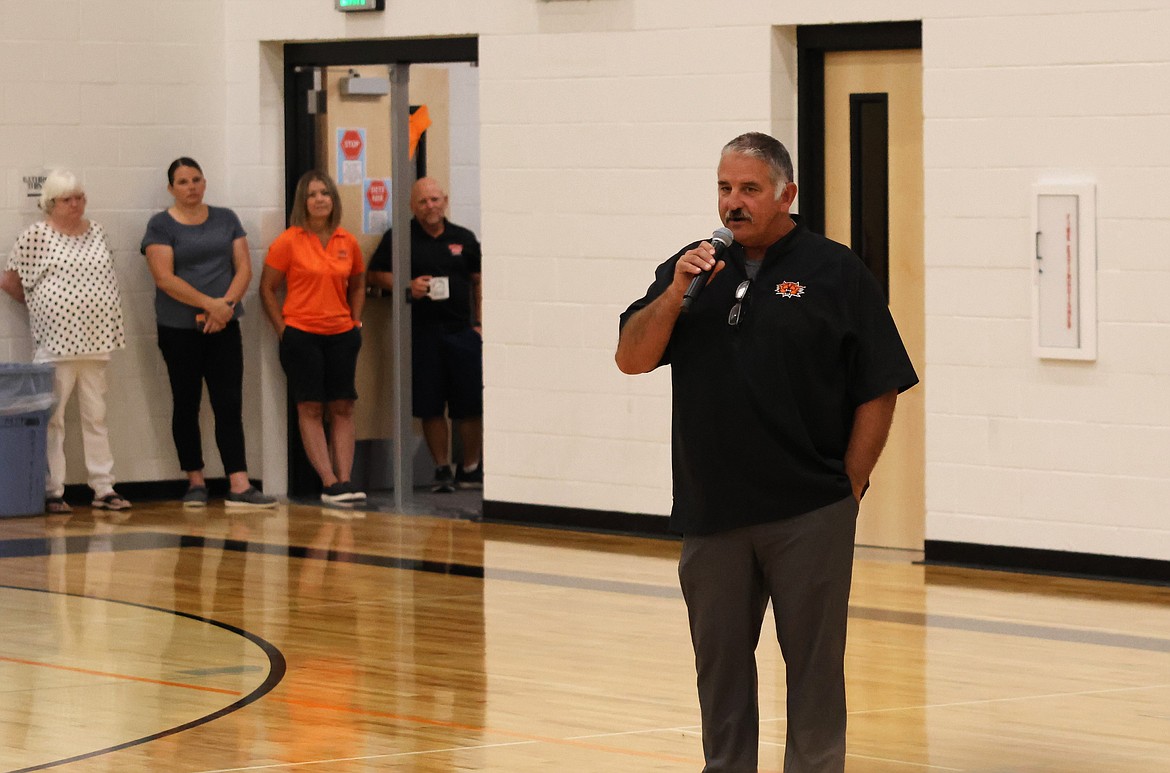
{"x":447,"y":342}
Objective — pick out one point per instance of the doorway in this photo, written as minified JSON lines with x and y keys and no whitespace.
{"x":862,"y":175}
{"x":376,"y":115}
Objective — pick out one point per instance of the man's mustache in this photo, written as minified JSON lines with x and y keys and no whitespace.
{"x":737,"y":215}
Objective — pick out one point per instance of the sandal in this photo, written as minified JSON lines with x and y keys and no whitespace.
{"x":57,"y":506}
{"x":111,"y":501}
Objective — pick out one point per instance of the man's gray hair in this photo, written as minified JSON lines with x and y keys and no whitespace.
{"x":767,"y":149}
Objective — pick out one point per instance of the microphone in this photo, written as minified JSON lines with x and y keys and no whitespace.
{"x":720,"y":240}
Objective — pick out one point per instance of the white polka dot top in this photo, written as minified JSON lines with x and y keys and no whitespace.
{"x":72,"y":293}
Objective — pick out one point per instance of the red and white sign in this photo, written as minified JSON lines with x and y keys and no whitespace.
{"x":376,"y":205}
{"x":377,"y":194}
{"x":351,"y":144}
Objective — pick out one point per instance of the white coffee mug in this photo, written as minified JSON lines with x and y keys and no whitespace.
{"x":439,"y":289}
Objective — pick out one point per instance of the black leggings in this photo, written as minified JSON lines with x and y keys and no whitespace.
{"x":193,"y":357}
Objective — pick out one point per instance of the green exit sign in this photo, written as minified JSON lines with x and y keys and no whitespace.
{"x":360,"y":5}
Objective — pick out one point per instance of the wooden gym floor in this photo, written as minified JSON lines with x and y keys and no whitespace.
{"x":315,"y":639}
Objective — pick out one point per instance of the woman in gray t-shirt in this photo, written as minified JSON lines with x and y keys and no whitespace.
{"x":199,"y":258}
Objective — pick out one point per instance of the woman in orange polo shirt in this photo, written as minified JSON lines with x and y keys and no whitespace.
{"x":320,"y":265}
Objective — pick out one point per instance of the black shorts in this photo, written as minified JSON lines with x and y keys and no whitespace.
{"x":448,"y":372}
{"x":320,"y":368}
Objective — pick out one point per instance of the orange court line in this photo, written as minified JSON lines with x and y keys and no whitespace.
{"x":475,"y":729}
{"x":145,"y":680}
{"x":365,"y":712}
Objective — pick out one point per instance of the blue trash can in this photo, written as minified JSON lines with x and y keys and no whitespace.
{"x":26,"y":402}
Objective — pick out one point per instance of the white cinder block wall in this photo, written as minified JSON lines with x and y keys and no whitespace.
{"x":597,"y":164}
{"x":600,"y":123}
{"x":1024,"y":452}
{"x":115,"y":91}
{"x":465,"y":186}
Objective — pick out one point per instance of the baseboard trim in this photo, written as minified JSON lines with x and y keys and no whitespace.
{"x":1058,"y":562}
{"x":611,"y":522}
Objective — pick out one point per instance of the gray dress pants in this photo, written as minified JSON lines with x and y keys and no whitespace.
{"x":804,"y":566}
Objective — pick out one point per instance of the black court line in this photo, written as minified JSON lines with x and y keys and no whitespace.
{"x":41,"y":546}
{"x":276,"y":671}
{"x":875,"y":614}
{"x":152,"y":540}
{"x":1008,"y":628}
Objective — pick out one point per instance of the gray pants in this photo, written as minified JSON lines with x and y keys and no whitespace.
{"x":804,"y":566}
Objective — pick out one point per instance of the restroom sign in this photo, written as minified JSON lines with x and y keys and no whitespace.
{"x":30,"y":188}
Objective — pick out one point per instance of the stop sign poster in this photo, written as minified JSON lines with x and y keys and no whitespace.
{"x":351,"y":156}
{"x":376,"y":206}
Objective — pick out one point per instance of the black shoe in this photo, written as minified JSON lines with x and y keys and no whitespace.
{"x":354,"y":493}
{"x":472,"y":479}
{"x":444,"y":481}
{"x":335,"y":494}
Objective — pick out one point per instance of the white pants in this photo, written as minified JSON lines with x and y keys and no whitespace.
{"x":89,"y":376}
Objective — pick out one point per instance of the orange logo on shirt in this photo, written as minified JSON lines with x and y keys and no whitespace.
{"x":790,"y":289}
{"x":456,"y":249}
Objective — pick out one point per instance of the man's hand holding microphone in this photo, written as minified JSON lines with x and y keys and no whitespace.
{"x":702,"y":263}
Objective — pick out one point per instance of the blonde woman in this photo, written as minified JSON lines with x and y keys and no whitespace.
{"x":62,"y":269}
{"x":320,"y":265}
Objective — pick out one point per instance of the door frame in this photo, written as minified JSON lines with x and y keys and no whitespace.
{"x":816,"y":45}
{"x":813,"y":41}
{"x":300,"y":133}
{"x":300,"y":143}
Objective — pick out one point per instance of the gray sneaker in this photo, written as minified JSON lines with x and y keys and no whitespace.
{"x":196,"y":496}
{"x":252,"y":498}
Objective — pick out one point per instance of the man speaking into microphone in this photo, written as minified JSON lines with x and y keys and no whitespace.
{"x":785,"y":369}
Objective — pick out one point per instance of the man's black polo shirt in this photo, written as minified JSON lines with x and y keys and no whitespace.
{"x":763,"y":410}
{"x":455,"y":254}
